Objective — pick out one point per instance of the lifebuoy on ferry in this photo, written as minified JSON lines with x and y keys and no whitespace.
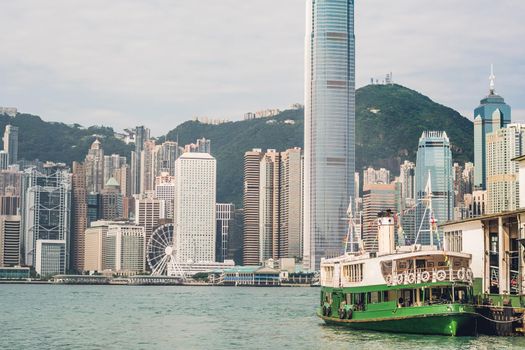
{"x":389,"y":280}
{"x":399,"y":279}
{"x":441,"y":275}
{"x":411,"y":278}
{"x":425,"y":276}
{"x":461,"y":274}
{"x":469,"y":275}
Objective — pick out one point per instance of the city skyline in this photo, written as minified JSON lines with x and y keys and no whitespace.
{"x":81,"y":76}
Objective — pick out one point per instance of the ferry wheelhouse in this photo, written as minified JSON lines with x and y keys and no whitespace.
{"x":409,"y":289}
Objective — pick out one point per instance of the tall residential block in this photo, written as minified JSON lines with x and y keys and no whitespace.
{"x":407,"y":178}
{"x":251,"y":193}
{"x":329,"y":132}
{"x":434,"y":159}
{"x":165,"y":191}
{"x":225,"y":216}
{"x":47,"y":219}
{"x":79,"y":217}
{"x":491,"y":115}
{"x":375,"y":176}
{"x":141,"y":135}
{"x":11,"y":143}
{"x":147,"y":214}
{"x":9,"y":240}
{"x":94,"y":168}
{"x":195,"y":207}
{"x":503,"y":145}
{"x":147,"y":167}
{"x":269,"y":205}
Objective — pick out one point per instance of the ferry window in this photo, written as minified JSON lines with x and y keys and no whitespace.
{"x":355,"y":272}
{"x":454,"y":241}
{"x":385,"y":296}
{"x":374,"y":297}
{"x":349,"y":298}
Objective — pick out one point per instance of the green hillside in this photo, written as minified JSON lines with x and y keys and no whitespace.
{"x":59,"y":142}
{"x":390,"y":120}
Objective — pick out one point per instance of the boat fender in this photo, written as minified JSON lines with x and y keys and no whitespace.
{"x":425,"y":276}
{"x":441,"y":275}
{"x":411,"y":278}
{"x":469,"y":274}
{"x":349,"y":313}
{"x":400,"y":279}
{"x":461,"y":274}
{"x":342,"y":314}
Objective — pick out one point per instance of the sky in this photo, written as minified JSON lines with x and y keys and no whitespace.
{"x":159,"y":63}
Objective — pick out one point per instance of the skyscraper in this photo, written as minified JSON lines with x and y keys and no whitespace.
{"x":11,"y":143}
{"x":147,"y":214}
{"x":492,"y":114}
{"x":147,"y":167}
{"x":329,"y":160}
{"x":502,"y":173}
{"x":46,"y":222}
{"x":94,"y":168}
{"x":407,"y":177}
{"x":195,"y":207}
{"x":376,"y":198}
{"x":79,"y":219}
{"x":9,"y":240}
{"x":225,"y":216}
{"x":269,"y":225}
{"x":142,"y":134}
{"x":165,"y":191}
{"x":251,"y":193}
{"x":434,"y":159}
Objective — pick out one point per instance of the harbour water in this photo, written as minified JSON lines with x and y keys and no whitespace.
{"x":124,"y":317}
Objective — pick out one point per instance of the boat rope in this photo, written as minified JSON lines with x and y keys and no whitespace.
{"x":502,"y":321}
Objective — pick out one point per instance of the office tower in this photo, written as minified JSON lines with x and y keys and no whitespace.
{"x":491,"y":115}
{"x":195,"y":193}
{"x":468,"y":177}
{"x":125,"y":249}
{"x":9,"y":203}
{"x":502,"y":173}
{"x":376,"y":199}
{"x":329,"y":160}
{"x":123,"y":177}
{"x":46,"y":220}
{"x":95,"y":246}
{"x":291,"y":206}
{"x":111,"y":200}
{"x":4,"y":160}
{"x":79,"y":217}
{"x":434,"y":159}
{"x":165,"y":191}
{"x":252,"y":161}
{"x":407,"y":178}
{"x":9,"y":240}
{"x":165,"y":157}
{"x":200,"y":146}
{"x":10,"y":182}
{"x":375,"y":176}
{"x":147,"y":171}
{"x":147,"y":214}
{"x":459,"y":188}
{"x":142,"y":134}
{"x":94,"y":207}
{"x":225,"y":215}
{"x":94,"y":168}
{"x":113,"y":163}
{"x":269,"y":224}
{"x":11,"y":143}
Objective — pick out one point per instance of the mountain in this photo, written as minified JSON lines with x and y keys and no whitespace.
{"x":59,"y":142}
{"x":389,"y":122}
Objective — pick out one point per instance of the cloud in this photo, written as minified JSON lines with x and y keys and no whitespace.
{"x":161,"y":62}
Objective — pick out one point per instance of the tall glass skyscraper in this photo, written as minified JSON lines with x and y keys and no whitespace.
{"x":329,"y":158}
{"x":434,"y":159}
{"x":491,"y":115}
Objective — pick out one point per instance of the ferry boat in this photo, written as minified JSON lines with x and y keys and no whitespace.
{"x":409,"y":289}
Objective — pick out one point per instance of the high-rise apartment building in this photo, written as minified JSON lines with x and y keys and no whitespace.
{"x":147,"y":167}
{"x":79,"y":217}
{"x":94,"y":168}
{"x":200,"y":146}
{"x":375,"y":176}
{"x":502,"y":173}
{"x":329,"y":154}
{"x":434,"y":159}
{"x":141,"y":135}
{"x":225,"y":216}
{"x":165,"y":191}
{"x":165,"y":157}
{"x":113,"y":163}
{"x":47,"y":218}
{"x":269,"y":205}
{"x":251,"y":194}
{"x":376,"y":199}
{"x":111,"y":200}
{"x":147,"y":214}
{"x":407,"y":178}
{"x":195,"y":207}
{"x":4,"y":160}
{"x":11,"y":143}
{"x":491,"y":115}
{"x":9,"y":240}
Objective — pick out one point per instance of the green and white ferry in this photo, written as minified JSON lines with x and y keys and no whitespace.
{"x":407,"y":289}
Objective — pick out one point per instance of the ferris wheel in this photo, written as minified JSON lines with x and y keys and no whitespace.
{"x":161,"y":253}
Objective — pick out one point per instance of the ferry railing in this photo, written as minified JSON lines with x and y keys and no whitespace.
{"x":430,"y":275}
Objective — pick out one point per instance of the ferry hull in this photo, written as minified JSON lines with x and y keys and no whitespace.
{"x":453,"y":324}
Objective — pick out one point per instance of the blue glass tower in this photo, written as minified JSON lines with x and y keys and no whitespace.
{"x":491,"y":115}
{"x":434,"y":159}
{"x":329,"y":126}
